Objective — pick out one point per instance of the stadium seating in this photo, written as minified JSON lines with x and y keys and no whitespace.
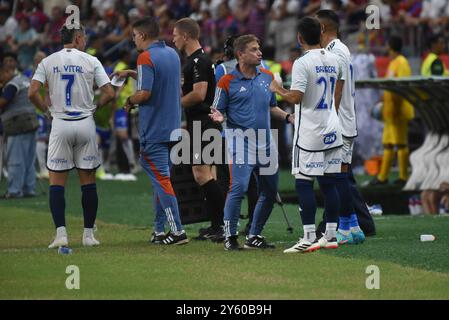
{"x":429,"y":97}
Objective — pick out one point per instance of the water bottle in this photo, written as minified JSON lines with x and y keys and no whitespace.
{"x":64,"y":250}
{"x":427,"y":237}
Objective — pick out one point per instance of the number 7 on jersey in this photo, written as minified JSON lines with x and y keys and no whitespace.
{"x":70,"y":78}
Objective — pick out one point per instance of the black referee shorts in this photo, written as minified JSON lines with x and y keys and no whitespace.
{"x":205,"y":123}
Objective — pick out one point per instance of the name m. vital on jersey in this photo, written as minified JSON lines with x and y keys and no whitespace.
{"x":70,"y":68}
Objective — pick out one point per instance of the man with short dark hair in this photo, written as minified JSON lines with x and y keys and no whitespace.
{"x":198,"y":94}
{"x":348,"y":227}
{"x":71,"y":75}
{"x":317,"y":138}
{"x":244,"y":96}
{"x":10,"y":61}
{"x":229,"y":61}
{"x":432,"y":64}
{"x":158,"y":96}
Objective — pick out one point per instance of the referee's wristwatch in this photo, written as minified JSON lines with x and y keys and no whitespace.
{"x":286,"y":117}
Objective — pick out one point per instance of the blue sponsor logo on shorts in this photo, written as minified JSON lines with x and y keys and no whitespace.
{"x":334,"y":161}
{"x":58,"y":161}
{"x":314,"y":165}
{"x":89,"y":158}
{"x":330,"y":138}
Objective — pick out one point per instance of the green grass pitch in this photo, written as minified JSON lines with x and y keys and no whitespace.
{"x":126,"y":266}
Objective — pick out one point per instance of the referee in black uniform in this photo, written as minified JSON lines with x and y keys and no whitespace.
{"x":198,"y":90}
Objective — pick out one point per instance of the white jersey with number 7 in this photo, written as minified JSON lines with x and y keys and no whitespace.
{"x":317,"y":127}
{"x":71,"y":75}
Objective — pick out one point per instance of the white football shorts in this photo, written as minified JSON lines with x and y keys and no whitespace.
{"x":73,"y":144}
{"x":346,"y":150}
{"x":314,"y":164}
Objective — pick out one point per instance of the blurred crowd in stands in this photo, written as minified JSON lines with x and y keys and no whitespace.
{"x":27,"y":26}
{"x":30,"y":30}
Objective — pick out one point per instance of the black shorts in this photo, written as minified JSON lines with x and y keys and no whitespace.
{"x":205,"y":123}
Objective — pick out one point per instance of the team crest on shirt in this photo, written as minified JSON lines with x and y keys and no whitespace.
{"x":265,"y":85}
{"x":330,"y":138}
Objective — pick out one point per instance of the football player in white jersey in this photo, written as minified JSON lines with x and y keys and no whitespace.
{"x":348,"y":227}
{"x":71,"y":75}
{"x":316,"y":77}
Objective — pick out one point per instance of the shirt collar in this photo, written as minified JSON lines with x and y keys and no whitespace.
{"x":197,"y":52}
{"x":310,"y":50}
{"x":159,"y":43}
{"x":332,"y":44}
{"x":241,"y":76}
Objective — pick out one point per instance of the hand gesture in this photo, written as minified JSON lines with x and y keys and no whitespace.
{"x":216,"y":115}
{"x":121,"y":74}
{"x":275,"y":86}
{"x":128,"y":105}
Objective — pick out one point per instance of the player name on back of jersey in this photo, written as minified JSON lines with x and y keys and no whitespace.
{"x":325,"y":69}
{"x":68,"y":68}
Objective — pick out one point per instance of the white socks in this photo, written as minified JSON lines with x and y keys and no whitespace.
{"x":309,"y":232}
{"x":331,"y":231}
{"x":61,"y":232}
{"x":88,"y":232}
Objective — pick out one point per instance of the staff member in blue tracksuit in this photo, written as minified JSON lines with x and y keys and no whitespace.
{"x":158,"y":96}
{"x":244,"y":96}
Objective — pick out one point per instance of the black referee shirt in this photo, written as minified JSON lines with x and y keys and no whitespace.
{"x":198,"y":68}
